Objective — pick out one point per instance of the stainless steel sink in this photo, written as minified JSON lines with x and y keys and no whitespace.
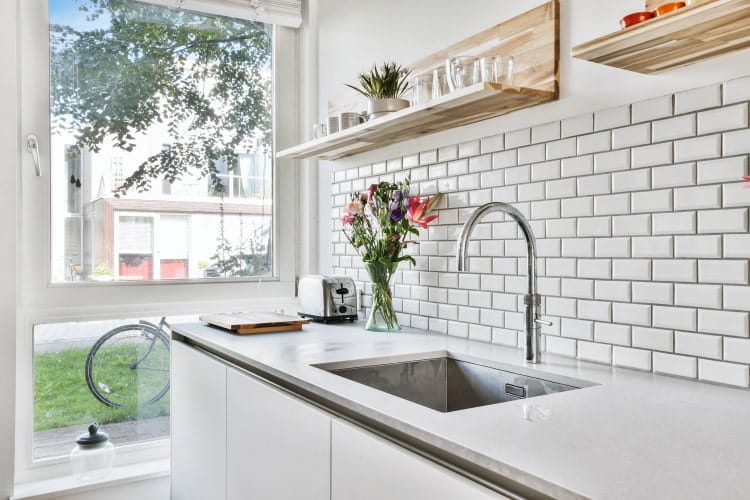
{"x":446,"y":384}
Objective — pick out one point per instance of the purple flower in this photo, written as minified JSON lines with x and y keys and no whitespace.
{"x":397,"y":195}
{"x":397,"y":214}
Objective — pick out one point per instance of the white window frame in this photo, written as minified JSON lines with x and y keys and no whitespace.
{"x":44,"y":302}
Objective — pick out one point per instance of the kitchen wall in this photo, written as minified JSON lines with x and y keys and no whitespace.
{"x":632,"y":183}
{"x":642,"y":232}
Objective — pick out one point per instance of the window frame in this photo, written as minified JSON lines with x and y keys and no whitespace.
{"x":42,"y":301}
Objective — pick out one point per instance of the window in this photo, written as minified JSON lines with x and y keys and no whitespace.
{"x":167,"y":113}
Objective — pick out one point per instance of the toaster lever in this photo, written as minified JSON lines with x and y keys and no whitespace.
{"x":342,"y":291}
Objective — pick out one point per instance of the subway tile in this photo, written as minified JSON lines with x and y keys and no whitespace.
{"x":561,"y":228}
{"x":654,"y":154}
{"x":561,"y":188}
{"x":678,"y":318}
{"x":594,"y":310}
{"x":517,"y":175}
{"x":561,"y":149}
{"x":671,"y":364}
{"x":673,"y":176}
{"x":594,"y":268}
{"x":652,"y":201}
{"x":724,"y":170}
{"x":674,"y":128}
{"x":631,"y":269}
{"x":577,"y":247}
{"x":634,"y":135}
{"x":503,"y":336}
{"x":631,"y":225}
{"x":576,"y":328}
{"x":612,"y":290}
{"x":493,"y":178}
{"x":723,"y":221}
{"x":723,"y":271}
{"x":704,"y":246}
{"x":615,"y":204}
{"x":612,"y":161}
{"x":578,"y":125}
{"x":561,"y":346}
{"x":612,"y":247}
{"x":708,"y":296}
{"x":722,"y":119}
{"x":545,"y":209}
{"x":737,"y":246}
{"x":638,"y":359}
{"x":469,"y":148}
{"x":737,"y":90}
{"x":723,"y":322}
{"x":448,"y":153}
{"x":438,"y":170}
{"x":545,"y":133}
{"x":561,"y":267}
{"x":529,"y":192}
{"x":594,"y":226}
{"x":631,"y":314}
{"x":595,"y":184}
{"x":698,"y":148}
{"x":492,"y":143}
{"x":504,"y":159}
{"x":695,"y":99}
{"x":653,"y":338}
{"x":393,"y":165}
{"x":653,"y":293}
{"x":675,"y":270}
{"x":458,"y":167}
{"x":698,"y":344}
{"x":612,"y":334}
{"x":594,"y":143}
{"x":491,"y":317}
{"x":531,"y":154}
{"x":449,"y":184}
{"x":736,"y":143}
{"x":518,"y":138}
{"x":545,"y":171}
{"x":736,"y":297}
{"x":724,"y":373}
{"x":737,"y":350}
{"x":653,"y":246}
{"x":598,"y":353}
{"x":427,"y":157}
{"x":508,"y":194}
{"x":577,"y":166}
{"x":560,"y":306}
{"x":652,"y":109}
{"x":456,"y":329}
{"x":700,"y":197}
{"x":579,"y":288}
{"x":418,"y":174}
{"x":581,"y":206}
{"x":612,"y":117}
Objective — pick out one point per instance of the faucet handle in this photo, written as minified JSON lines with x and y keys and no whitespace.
{"x":543,"y":322}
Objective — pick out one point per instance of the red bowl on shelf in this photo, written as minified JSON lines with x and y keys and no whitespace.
{"x":666,"y":8}
{"x":635,"y":18}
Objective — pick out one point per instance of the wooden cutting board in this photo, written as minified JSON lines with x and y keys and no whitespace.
{"x":245,"y":323}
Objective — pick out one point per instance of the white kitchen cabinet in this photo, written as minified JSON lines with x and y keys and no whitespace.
{"x":278,"y":447}
{"x":367,"y":467}
{"x":198,"y":425}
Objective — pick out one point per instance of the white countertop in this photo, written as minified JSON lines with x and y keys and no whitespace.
{"x":636,"y":435}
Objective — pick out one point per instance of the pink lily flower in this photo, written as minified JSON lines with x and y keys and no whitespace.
{"x":747,"y":178}
{"x":417,"y":211}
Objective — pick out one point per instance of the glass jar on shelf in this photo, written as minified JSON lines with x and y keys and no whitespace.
{"x":92,"y":458}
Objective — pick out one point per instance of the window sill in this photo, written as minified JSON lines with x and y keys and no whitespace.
{"x":53,"y":488}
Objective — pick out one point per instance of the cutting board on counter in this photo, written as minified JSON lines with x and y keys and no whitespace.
{"x":245,"y":323}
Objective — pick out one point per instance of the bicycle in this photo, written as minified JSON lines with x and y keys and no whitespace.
{"x":129,"y":365}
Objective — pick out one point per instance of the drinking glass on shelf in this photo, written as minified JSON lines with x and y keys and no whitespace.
{"x":463,"y":71}
{"x":507,"y":77}
{"x":490,"y":69}
{"x":440,"y":85}
{"x":422,"y":89}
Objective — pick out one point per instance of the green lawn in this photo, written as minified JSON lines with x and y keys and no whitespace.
{"x":62,"y":398}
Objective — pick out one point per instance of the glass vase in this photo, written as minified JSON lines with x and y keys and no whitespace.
{"x":382,"y":316}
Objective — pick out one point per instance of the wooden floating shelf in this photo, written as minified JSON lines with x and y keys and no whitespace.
{"x":462,"y":107}
{"x":705,"y":29}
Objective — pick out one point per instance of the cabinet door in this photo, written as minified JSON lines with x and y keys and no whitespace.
{"x":278,"y":447}
{"x":198,"y":425}
{"x":366,"y":467}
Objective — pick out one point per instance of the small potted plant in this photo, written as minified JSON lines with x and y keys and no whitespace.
{"x":383,"y":86}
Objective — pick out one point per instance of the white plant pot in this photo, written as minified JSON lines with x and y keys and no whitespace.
{"x":381,"y":107}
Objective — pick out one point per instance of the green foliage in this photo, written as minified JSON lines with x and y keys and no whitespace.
{"x":62,"y":398}
{"x":205,"y":79}
{"x":103,"y":270}
{"x":388,"y":81}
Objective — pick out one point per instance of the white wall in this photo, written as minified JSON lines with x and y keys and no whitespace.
{"x":9,"y":150}
{"x":357,"y":33}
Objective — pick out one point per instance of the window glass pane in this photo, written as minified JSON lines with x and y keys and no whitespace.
{"x":115,"y":372}
{"x":161,"y":162}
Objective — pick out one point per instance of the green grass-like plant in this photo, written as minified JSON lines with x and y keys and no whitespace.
{"x":389,"y":81}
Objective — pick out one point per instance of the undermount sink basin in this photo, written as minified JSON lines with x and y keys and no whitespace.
{"x":445,"y":383}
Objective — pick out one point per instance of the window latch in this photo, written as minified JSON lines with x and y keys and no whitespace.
{"x":32,"y":146}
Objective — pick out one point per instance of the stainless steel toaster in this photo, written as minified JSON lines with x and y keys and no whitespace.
{"x":327,"y":298}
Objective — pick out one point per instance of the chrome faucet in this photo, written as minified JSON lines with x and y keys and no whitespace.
{"x":531,"y":299}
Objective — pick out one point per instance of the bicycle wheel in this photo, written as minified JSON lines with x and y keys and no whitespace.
{"x":129,"y":366}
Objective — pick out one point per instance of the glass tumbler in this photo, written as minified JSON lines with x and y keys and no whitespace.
{"x":440,"y":85}
{"x":422,"y":89}
{"x":463,"y":71}
{"x":490,"y":69}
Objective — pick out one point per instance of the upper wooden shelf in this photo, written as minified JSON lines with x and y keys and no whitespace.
{"x":705,"y":29}
{"x":533,"y":38}
{"x":464,"y":106}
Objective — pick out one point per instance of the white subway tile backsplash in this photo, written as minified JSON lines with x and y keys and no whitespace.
{"x":641,"y":222}
{"x":700,"y":98}
{"x":724,"y":373}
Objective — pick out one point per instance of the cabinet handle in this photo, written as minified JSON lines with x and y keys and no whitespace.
{"x":32,"y":146}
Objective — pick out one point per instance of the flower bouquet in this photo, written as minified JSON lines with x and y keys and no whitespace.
{"x":379,"y":225}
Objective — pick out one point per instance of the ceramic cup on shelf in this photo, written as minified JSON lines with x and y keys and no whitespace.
{"x":347,"y":120}
{"x":333,"y":125}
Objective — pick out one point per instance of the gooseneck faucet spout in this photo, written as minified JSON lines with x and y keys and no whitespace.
{"x":531,"y":299}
